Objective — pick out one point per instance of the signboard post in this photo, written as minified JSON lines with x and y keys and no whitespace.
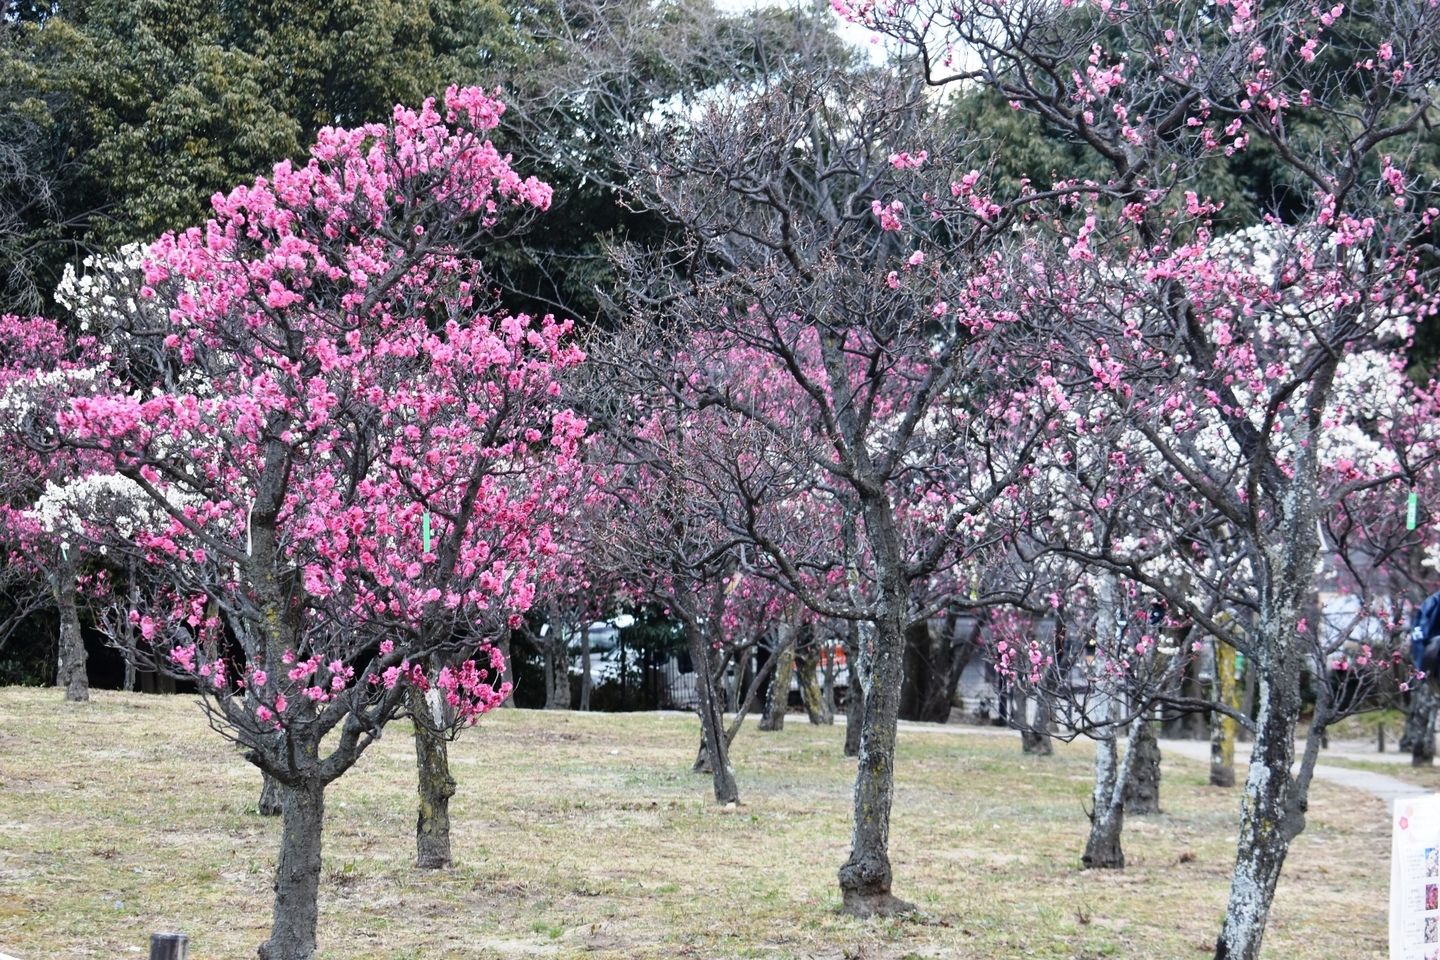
{"x":1415,"y":879}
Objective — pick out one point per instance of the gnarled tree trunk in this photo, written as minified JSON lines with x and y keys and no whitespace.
{"x":1142,"y":789}
{"x":1222,"y":726}
{"x":1034,"y":734}
{"x":557,"y":665}
{"x":1419,"y":735}
{"x":1107,"y":818}
{"x":777,"y":698}
{"x":865,"y":878}
{"x":70,"y":668}
{"x":811,"y":693}
{"x":716,"y":749}
{"x":297,"y":877}
{"x":854,"y":691}
{"x":433,"y":781}
{"x":271,"y":797}
{"x":1103,"y":849}
{"x":1273,"y":811}
{"x":1107,"y":814}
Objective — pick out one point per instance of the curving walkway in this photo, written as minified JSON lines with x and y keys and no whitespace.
{"x":1385,"y":787}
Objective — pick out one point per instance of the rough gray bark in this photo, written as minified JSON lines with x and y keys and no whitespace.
{"x":1103,"y":850}
{"x":271,"y":797}
{"x":297,"y":877}
{"x":1419,"y":735}
{"x":1107,"y":814}
{"x":777,"y":697}
{"x":557,"y":665}
{"x":70,"y":669}
{"x":1223,"y":728}
{"x":169,"y":946}
{"x":1034,"y":735}
{"x":1142,"y":789}
{"x":811,"y":692}
{"x":855,"y":693}
{"x":1102,"y":847}
{"x":434,"y":783}
{"x":1272,"y":814}
{"x":712,"y":722}
{"x":1222,"y":752}
{"x":865,"y":877}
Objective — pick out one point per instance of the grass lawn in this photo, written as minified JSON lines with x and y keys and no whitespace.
{"x":587,"y":836}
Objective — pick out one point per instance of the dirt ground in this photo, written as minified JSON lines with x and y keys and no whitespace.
{"x":585,"y":835}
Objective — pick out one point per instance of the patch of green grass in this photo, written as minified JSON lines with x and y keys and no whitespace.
{"x":585,"y":836}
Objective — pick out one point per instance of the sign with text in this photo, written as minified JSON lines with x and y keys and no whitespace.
{"x":1415,"y":880}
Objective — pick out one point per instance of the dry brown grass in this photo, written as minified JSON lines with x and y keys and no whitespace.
{"x":586,"y":836}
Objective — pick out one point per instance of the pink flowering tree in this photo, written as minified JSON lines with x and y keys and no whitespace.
{"x":40,"y":367}
{"x":358,"y":465}
{"x":844,"y":299}
{"x":1155,"y":91}
{"x":1212,"y":473}
{"x":656,"y":522}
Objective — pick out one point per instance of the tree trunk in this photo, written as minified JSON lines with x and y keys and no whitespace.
{"x":1271,"y":814}
{"x":1107,"y":818}
{"x":810,"y":691}
{"x":1142,"y":789}
{"x":271,"y":794}
{"x":1034,"y":736}
{"x":1192,"y":724}
{"x":777,"y":699}
{"x":1107,"y":814}
{"x":961,"y":653}
{"x":297,"y":878}
{"x":70,"y":669}
{"x":557,"y":668}
{"x":435,"y":784}
{"x":1419,"y":736}
{"x":855,"y":691}
{"x":712,"y":721}
{"x":1103,"y":850}
{"x":865,"y":877}
{"x":1223,"y":727}
{"x":585,"y":681}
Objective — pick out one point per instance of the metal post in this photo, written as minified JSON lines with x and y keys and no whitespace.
{"x":168,"y":946}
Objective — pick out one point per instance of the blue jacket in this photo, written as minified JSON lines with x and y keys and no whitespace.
{"x":1427,"y":624}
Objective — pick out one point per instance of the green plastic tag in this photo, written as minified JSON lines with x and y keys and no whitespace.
{"x":425,"y":530}
{"x":1411,"y":510}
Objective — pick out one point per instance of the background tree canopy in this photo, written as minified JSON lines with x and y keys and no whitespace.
{"x":129,"y":114}
{"x":119,"y":119}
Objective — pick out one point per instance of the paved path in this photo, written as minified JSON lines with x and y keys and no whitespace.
{"x":1385,"y":787}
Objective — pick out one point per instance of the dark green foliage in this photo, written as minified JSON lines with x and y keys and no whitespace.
{"x":133,"y":113}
